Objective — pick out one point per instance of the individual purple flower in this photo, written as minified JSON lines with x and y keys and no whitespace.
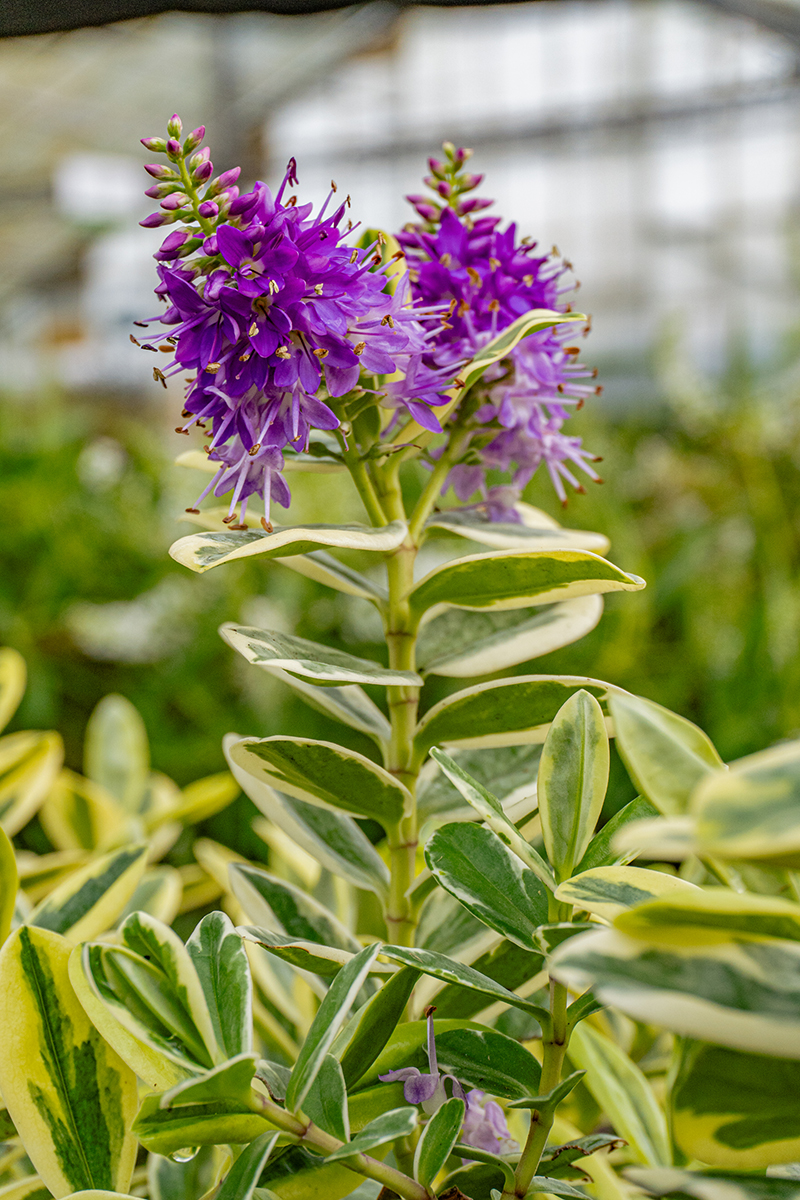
{"x":425,"y":1089}
{"x":489,"y":279}
{"x":485,"y":1125}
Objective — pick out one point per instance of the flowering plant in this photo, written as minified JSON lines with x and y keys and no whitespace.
{"x":327,"y":1018}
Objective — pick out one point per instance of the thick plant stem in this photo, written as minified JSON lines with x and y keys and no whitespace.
{"x":317,"y":1139}
{"x":361,"y":479}
{"x":459,"y":441}
{"x":401,"y":636}
{"x":554,"y":1048}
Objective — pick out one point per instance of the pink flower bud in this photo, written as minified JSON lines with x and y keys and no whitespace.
{"x":428,"y":212}
{"x":202,"y":156}
{"x":468,"y":182}
{"x":157,"y":145}
{"x":194,"y":139}
{"x":154,"y":220}
{"x":203,"y":172}
{"x":176,"y":200}
{"x":159,"y":171}
{"x":211,"y":245}
{"x":173,"y":149}
{"x":436,"y":168}
{"x":444,"y":188}
{"x":473,"y":204}
{"x":208,"y":209}
{"x":461,"y":155}
{"x":171,"y":245}
{"x":174,"y":126}
{"x":222,"y":181}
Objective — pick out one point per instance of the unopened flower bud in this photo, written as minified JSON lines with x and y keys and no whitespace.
{"x":189,"y":247}
{"x":222,"y":181}
{"x":208,"y":209}
{"x":157,"y":145}
{"x":173,"y":149}
{"x":194,"y":139}
{"x":202,"y":156}
{"x":444,"y":188}
{"x":427,"y":210}
{"x":171,"y":245}
{"x":469,"y":181}
{"x":473,"y":204}
{"x":461,"y":155}
{"x":174,"y":126}
{"x":159,"y":171}
{"x":436,"y":168}
{"x":211,"y":245}
{"x":176,"y":200}
{"x":154,"y":220}
{"x":203,"y":172}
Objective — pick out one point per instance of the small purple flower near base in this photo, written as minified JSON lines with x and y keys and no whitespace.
{"x":485,"y":1125}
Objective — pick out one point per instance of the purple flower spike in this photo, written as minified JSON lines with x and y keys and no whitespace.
{"x":427,"y":1090}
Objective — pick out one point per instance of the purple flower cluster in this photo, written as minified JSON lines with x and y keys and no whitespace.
{"x":484,"y":1123}
{"x":459,"y":258}
{"x":277,"y":318}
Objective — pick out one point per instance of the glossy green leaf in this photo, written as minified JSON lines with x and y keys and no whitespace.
{"x":349,"y":704}
{"x":13,"y":675}
{"x":70,"y":1097}
{"x":324,"y":568}
{"x":116,"y":751}
{"x":475,"y":866}
{"x":607,"y":891}
{"x":534,"y":530}
{"x":335,"y":840}
{"x":243,"y":1177}
{"x":488,"y":1060}
{"x":307,"y":956}
{"x":437,"y":1140}
{"x":573,"y":777}
{"x":735,"y":1110}
{"x":558,"y":1160}
{"x":398,"y":1123}
{"x":213,"y":1123}
{"x":414,"y":435}
{"x":202,"y":551}
{"x":550,"y":1100}
{"x":29,"y":766}
{"x":602,"y":851}
{"x":451,"y":971}
{"x":370,"y":1029}
{"x":742,"y":994}
{"x":663,"y":839}
{"x":508,"y":772}
{"x":317,"y":663}
{"x":330,"y":1017}
{"x":506,"y":964}
{"x":460,"y":644}
{"x":477,"y":1178}
{"x":713,"y":1185}
{"x":224,"y":973}
{"x":666,"y":755}
{"x":90,"y":900}
{"x":324,"y":773}
{"x":490,"y":809}
{"x":231,"y":1080}
{"x":752,"y":811}
{"x":326,"y":1101}
{"x":507,"y":712}
{"x":8,"y":883}
{"x":284,"y":908}
{"x":508,"y":579}
{"x":623,"y":1093}
{"x":169,"y":1180}
{"x":711,"y":915}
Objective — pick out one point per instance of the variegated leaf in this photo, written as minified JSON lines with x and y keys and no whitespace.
{"x":324,"y":568}
{"x":607,"y":891}
{"x":324,"y":773}
{"x":13,"y":675}
{"x":282,"y":908}
{"x":460,"y":644}
{"x":509,"y":772}
{"x":712,"y":1185}
{"x":159,"y":893}
{"x":224,"y":973}
{"x":349,"y":704}
{"x":8,"y":885}
{"x":507,"y":712}
{"x":508,"y":579}
{"x":534,"y":530}
{"x":79,"y":814}
{"x":90,"y":900}
{"x":29,"y":765}
{"x":205,"y":797}
{"x":735,"y":1110}
{"x":705,"y":916}
{"x":202,"y":551}
{"x":71,"y":1097}
{"x":29,"y":1187}
{"x":740,"y":994}
{"x":310,"y":660}
{"x":116,"y":752}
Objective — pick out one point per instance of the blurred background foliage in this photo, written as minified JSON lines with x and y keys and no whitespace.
{"x":702,"y":497}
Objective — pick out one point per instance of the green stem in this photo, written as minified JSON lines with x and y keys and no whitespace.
{"x":317,"y":1139}
{"x":456,"y":446}
{"x":401,"y":636}
{"x":205,"y":223}
{"x":554,"y":1048}
{"x":364,"y":486}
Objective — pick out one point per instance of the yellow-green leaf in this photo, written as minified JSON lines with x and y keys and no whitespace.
{"x":13,"y":674}
{"x":29,"y":764}
{"x":711,"y":915}
{"x":116,"y":751}
{"x":70,"y":1096}
{"x":8,"y":885}
{"x":202,"y":551}
{"x":90,"y":901}
{"x":607,"y":891}
{"x":79,"y":814}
